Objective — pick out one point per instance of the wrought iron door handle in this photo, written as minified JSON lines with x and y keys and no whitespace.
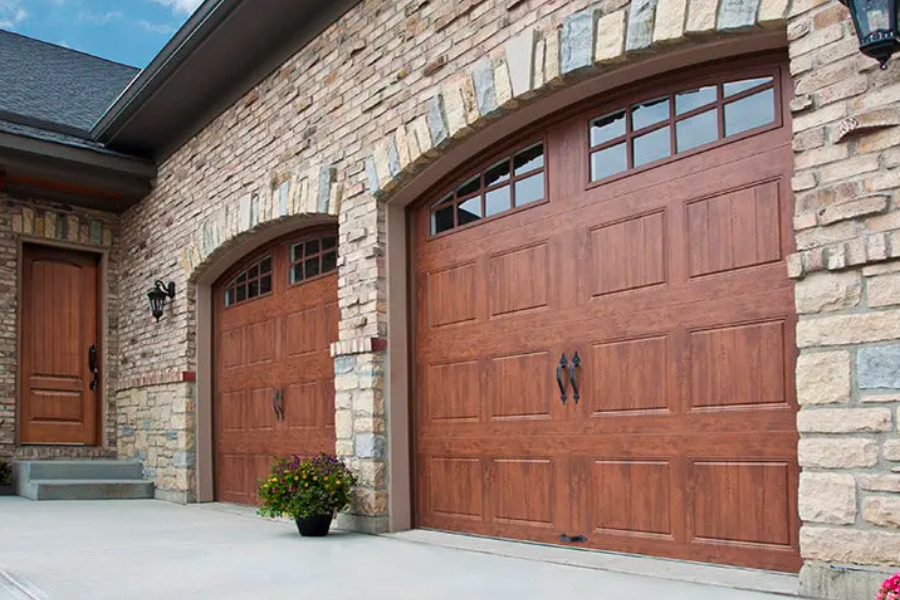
{"x":275,"y":406}
{"x":572,"y":539}
{"x":281,"y":404}
{"x":576,"y":362}
{"x":93,"y":367}
{"x":563,"y":363}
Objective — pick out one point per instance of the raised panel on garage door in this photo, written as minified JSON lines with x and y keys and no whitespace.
{"x":662,"y":270}
{"x":276,"y":316}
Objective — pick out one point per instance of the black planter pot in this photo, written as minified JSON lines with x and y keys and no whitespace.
{"x":314,"y":526}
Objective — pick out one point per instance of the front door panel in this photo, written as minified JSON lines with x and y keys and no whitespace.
{"x":59,"y":327}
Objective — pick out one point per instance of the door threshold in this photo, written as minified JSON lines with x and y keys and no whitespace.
{"x":739,"y":578}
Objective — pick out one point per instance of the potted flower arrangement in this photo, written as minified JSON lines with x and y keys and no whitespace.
{"x":890,"y":589}
{"x":6,"y":488}
{"x":311,"y":491}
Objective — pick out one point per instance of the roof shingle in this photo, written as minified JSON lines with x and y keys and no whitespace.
{"x":52,"y":84}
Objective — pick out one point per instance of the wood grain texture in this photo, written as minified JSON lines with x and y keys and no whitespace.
{"x":60,"y":322}
{"x":273,"y":344}
{"x":670,"y":284}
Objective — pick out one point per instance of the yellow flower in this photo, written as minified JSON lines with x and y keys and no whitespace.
{"x":338,"y":482}
{"x":305,"y":485}
{"x":296,"y":478}
{"x":315,"y":478}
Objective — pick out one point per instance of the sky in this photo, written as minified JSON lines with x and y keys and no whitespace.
{"x":126,"y":31}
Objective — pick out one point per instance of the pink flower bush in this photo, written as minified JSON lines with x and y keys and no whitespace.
{"x":890,"y":589}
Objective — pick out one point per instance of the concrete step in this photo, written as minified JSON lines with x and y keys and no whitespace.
{"x":86,"y":489}
{"x":78,"y":469}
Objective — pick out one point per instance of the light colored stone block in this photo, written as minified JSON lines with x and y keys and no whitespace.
{"x":883,"y":290}
{"x":883,"y":511}
{"x":823,"y":378}
{"x":849,"y":329}
{"x":827,"y":498}
{"x":844,"y":545}
{"x":844,"y":420}
{"x":824,"y":292}
{"x":701,"y":16}
{"x":520,"y":52}
{"x":670,"y":20}
{"x":610,"y":37}
{"x":837,"y":453}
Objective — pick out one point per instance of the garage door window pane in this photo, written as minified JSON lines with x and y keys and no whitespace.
{"x":497,"y":201}
{"x":312,"y":247}
{"x":241,"y":293}
{"x":229,"y":297}
{"x":698,"y":130}
{"x":692,"y":99}
{"x":312,"y":268}
{"x":442,"y":220}
{"x":608,"y":162}
{"x":529,"y":160}
{"x":265,"y":285}
{"x":750,"y":112}
{"x":497,"y":174}
{"x":469,"y":211}
{"x":530,"y":190}
{"x":329,"y":242}
{"x":266,"y":265}
{"x":329,"y":262}
{"x":297,"y":273}
{"x":736,"y":87}
{"x":608,"y":128}
{"x":469,"y":187}
{"x":652,"y":147}
{"x":649,"y":113}
{"x":253,"y":289}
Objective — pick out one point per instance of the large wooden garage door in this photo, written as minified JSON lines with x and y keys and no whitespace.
{"x":642,"y":245}
{"x":276,"y":316}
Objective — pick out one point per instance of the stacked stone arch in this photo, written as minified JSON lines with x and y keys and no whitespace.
{"x":536,"y":62}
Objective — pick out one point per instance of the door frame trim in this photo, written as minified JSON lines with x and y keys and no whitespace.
{"x":104,"y":389}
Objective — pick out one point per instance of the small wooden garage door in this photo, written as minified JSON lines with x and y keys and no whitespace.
{"x":276,"y":316}
{"x":648,"y":239}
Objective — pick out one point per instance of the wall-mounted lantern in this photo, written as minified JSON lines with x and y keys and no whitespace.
{"x":876,"y":27}
{"x":157,"y":296}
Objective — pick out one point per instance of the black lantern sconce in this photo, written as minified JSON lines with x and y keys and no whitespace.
{"x":157,"y":296}
{"x":876,"y":27}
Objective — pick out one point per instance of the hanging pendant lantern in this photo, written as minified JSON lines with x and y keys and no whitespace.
{"x":876,"y":27}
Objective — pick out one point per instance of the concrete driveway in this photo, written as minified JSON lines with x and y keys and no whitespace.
{"x":139,"y":550}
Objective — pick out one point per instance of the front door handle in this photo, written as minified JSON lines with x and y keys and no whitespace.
{"x":563,"y":363}
{"x":576,"y":363}
{"x":93,"y":366}
{"x":275,"y":406}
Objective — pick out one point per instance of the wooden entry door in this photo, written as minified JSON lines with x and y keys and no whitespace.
{"x":59,"y":381}
{"x":665,"y":274}
{"x":276,"y":317}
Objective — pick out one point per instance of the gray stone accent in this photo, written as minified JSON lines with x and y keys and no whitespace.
{"x":520,"y":60}
{"x":96,"y":232}
{"x":878,"y":367}
{"x":327,"y":176}
{"x":284,"y":193}
{"x":344,"y":364}
{"x":577,"y":42}
{"x":374,"y":186}
{"x":836,"y":582}
{"x":737,"y":13}
{"x":393,"y":158}
{"x":254,"y":210}
{"x":485,"y":92}
{"x":369,"y":445}
{"x":437,"y":122}
{"x":640,"y":25}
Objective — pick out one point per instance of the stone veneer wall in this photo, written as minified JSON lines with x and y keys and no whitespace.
{"x":390,"y":86}
{"x":80,"y":227}
{"x":847,"y":171}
